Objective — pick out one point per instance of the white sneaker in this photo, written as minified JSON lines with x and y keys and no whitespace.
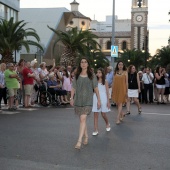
{"x":95,"y":133}
{"x":108,"y":128}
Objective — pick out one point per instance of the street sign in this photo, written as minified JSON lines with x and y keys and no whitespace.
{"x":114,"y":51}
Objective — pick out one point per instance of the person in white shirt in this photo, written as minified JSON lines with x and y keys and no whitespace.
{"x":148,"y":85}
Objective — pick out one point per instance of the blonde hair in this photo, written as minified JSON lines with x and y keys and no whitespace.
{"x":42,"y":64}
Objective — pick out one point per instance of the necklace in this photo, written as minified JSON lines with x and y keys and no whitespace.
{"x":131,"y":78}
{"x":120,"y":73}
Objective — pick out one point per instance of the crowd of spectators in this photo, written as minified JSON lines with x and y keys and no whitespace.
{"x":21,"y":82}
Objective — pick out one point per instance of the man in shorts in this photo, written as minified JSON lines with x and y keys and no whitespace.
{"x":12,"y":83}
{"x":28,"y":78}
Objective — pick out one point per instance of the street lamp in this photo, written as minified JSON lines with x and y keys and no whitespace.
{"x":145,"y":48}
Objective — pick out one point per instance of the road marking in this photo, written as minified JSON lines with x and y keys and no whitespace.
{"x":161,"y":114}
{"x":27,"y":109}
{"x":8,"y":112}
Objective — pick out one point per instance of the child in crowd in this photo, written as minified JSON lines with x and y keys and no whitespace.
{"x":66,"y":82}
{"x":105,"y":104}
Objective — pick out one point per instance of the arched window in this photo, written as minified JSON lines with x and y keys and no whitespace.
{"x":108,"y":45}
{"x":124,"y":45}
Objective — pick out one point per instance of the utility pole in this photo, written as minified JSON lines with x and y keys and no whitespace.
{"x":146,"y":48}
{"x":113,"y":32}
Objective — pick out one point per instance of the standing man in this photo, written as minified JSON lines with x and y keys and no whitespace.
{"x":12,"y":83}
{"x":148,"y":85}
{"x":28,"y":77}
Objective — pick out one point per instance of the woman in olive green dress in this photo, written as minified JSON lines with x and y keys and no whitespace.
{"x":82,"y":97}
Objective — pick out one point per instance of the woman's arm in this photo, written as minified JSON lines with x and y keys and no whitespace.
{"x":53,"y":66}
{"x":126,"y":81}
{"x":96,"y":90}
{"x":138,"y":81}
{"x":72,"y":97}
{"x":107,"y":93}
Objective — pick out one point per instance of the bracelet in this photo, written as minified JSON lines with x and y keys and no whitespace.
{"x":71,"y":98}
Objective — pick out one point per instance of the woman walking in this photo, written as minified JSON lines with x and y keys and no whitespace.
{"x":82,"y":97}
{"x":105,"y":104}
{"x":133,"y":88}
{"x":119,"y":89}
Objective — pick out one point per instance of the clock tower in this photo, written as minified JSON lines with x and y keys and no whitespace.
{"x":139,"y":23}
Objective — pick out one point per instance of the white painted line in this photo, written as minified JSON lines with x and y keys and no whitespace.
{"x":161,"y":114}
{"x":28,"y":109}
{"x":9,"y":113}
{"x":70,"y":108}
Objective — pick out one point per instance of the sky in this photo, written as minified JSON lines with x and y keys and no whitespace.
{"x":158,"y":18}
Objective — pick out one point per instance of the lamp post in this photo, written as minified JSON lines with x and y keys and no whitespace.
{"x":113,"y":32}
{"x":145,"y":48}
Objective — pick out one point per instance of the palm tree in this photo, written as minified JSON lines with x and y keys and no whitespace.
{"x":164,"y":56}
{"x":135,"y":57}
{"x":76,"y":42}
{"x":13,"y":36}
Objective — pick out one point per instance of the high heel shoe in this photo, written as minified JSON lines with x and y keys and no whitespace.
{"x":122,"y":117}
{"x":140,"y":110}
{"x":85,"y":141}
{"x":128,"y":113}
{"x":118,"y":122}
{"x":78,"y":145}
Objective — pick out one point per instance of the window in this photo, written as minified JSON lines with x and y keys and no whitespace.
{"x":83,"y":23}
{"x":124,"y":45}
{"x":108,"y":45}
{"x":2,"y":11}
{"x":71,"y":22}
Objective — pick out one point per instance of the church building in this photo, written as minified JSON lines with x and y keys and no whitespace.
{"x":129,"y":33}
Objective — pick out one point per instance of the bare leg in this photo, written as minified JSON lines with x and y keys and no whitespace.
{"x":62,"y":100}
{"x":11,"y":101}
{"x":128,"y":105}
{"x":96,"y":115}
{"x":105,"y":119}
{"x":119,"y":105}
{"x":81,"y":130}
{"x":85,"y":136}
{"x":158,"y":94}
{"x":66,"y":99}
{"x":162,"y":94}
{"x":136,"y":100}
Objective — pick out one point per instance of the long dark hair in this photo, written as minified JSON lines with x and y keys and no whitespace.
{"x":103,"y":75}
{"x":89,"y":71}
{"x":157,"y":69}
{"x":65,"y":70}
{"x":116,"y":68}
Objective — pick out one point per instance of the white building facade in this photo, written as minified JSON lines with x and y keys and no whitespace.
{"x":9,"y":8}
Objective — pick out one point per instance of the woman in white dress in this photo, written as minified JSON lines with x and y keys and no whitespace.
{"x":105,"y":104}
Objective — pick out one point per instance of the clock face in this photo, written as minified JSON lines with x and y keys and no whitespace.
{"x":139,"y":18}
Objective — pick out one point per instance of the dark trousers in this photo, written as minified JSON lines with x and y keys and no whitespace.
{"x":3,"y":95}
{"x":142,"y":96}
{"x":148,"y":87}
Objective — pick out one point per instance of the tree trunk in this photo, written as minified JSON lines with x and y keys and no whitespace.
{"x":7,"y":58}
{"x":67,"y":57}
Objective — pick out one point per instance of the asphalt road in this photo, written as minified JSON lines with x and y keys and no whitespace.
{"x":44,"y":139}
